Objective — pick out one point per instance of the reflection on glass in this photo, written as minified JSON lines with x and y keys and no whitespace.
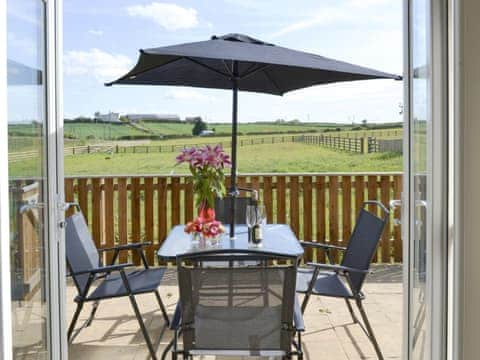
{"x":26,"y":144}
{"x":420,"y":171}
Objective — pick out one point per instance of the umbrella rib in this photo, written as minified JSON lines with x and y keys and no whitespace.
{"x":126,"y":77}
{"x":273,"y":82}
{"x":227,"y":68}
{"x":254,"y":71}
{"x":207,"y":66}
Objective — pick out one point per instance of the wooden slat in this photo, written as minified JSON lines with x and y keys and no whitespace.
{"x":175,"y":201}
{"x":69,"y":195}
{"x":294,"y":208}
{"x":188,"y":201}
{"x":320,"y":214}
{"x":385,"y":196}
{"x":109,"y":217}
{"x":307,"y":214}
{"x":83,"y":197}
{"x":255,"y":180}
{"x":372,"y":195}
{"x":397,"y":230}
{"x":267,"y":197}
{"x":122,"y":217}
{"x":346,"y":209}
{"x":162,"y":209}
{"x":281,"y":200}
{"x":333,"y":213}
{"x":135,"y":213}
{"x":97,"y":214}
{"x":241,"y":181}
{"x":148,"y":211}
{"x":359,"y":193}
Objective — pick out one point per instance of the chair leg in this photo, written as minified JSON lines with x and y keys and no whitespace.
{"x":162,"y":307}
{"x":299,"y":350}
{"x":350,"y":308}
{"x":305,"y":302}
{"x":371,"y":334}
{"x":74,"y":320}
{"x":92,"y":314}
{"x":142,"y":326}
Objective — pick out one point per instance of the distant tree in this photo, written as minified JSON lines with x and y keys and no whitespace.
{"x":193,"y":119}
{"x":198,"y":127}
{"x":364,"y":122}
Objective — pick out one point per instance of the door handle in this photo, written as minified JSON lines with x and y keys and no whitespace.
{"x":394,"y":204}
{"x":30,"y":206}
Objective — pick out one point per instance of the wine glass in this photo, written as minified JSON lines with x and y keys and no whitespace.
{"x":251,"y":218}
{"x":261,"y":215}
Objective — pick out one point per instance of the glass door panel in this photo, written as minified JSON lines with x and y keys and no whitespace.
{"x":26,"y":99}
{"x":419,"y":170}
{"x":426,"y":169}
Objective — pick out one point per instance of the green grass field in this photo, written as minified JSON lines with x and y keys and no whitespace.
{"x":220,"y":129}
{"x":101,"y":131}
{"x":276,"y":158}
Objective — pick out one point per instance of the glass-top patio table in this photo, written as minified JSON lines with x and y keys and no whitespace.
{"x":277,"y":238}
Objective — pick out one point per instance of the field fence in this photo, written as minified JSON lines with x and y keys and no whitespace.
{"x":385,"y":145}
{"x":351,"y":144}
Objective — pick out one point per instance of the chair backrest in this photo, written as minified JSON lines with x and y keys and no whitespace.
{"x":82,"y":254}
{"x":363,"y":242}
{"x":223,"y":208}
{"x":236,"y":308}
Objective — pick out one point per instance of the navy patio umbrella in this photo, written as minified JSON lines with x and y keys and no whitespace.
{"x":239,"y":62}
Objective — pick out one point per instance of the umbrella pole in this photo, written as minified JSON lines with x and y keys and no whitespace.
{"x":233,"y":177}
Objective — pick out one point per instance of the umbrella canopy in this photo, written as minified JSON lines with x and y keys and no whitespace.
{"x":262,"y":67}
{"x":239,"y":62}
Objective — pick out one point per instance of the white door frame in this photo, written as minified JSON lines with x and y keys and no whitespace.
{"x":56,"y":253}
{"x":57,"y":263}
{"x":5,"y":289}
{"x":437,"y":183}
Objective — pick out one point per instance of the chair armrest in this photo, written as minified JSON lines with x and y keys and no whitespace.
{"x":176,"y":318}
{"x":126,"y":246}
{"x":298,"y":316}
{"x":338,"y":268}
{"x":321,"y":245}
{"x":103,"y":269}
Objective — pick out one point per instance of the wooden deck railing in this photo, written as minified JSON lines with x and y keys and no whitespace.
{"x":319,"y":207}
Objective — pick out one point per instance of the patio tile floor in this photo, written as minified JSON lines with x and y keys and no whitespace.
{"x":330,"y":333}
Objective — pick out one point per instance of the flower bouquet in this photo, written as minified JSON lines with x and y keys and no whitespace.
{"x":207,"y":166}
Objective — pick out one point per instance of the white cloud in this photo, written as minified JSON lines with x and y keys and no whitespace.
{"x":102,"y":65}
{"x":325,"y":17}
{"x":26,"y":46}
{"x":187,"y":94}
{"x":347,"y":12}
{"x":366,"y":3}
{"x":169,"y":16}
{"x":95,"y":32}
{"x":349,"y":91}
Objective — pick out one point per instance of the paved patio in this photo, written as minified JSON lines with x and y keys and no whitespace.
{"x":330,"y":333}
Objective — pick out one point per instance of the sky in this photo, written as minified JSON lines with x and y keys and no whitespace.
{"x":101,"y":42}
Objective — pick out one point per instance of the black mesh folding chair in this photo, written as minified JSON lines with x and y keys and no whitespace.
{"x":237,"y":310}
{"x":223,"y":209}
{"x":346,"y":279}
{"x":86,"y":269}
